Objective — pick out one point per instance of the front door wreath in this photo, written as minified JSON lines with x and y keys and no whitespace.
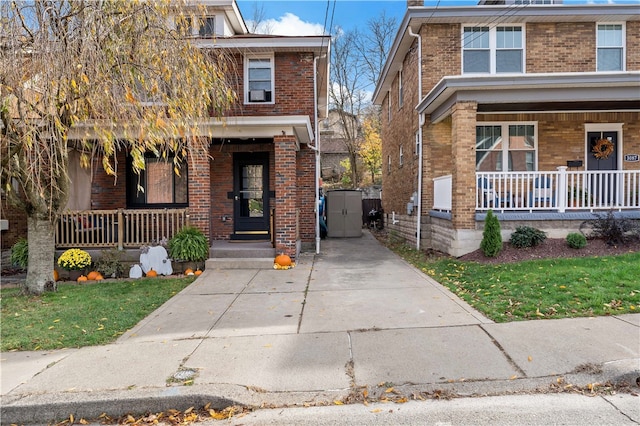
{"x":602,"y":149}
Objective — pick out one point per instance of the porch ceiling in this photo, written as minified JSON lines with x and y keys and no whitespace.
{"x":535,"y":93}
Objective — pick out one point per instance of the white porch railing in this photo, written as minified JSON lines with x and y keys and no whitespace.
{"x":557,"y":191}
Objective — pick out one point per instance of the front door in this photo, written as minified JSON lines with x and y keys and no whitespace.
{"x":251,"y":196}
{"x":602,"y":155}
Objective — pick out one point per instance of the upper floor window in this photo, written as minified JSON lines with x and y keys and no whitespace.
{"x":389,"y":107}
{"x":506,"y":147}
{"x":207,"y":26}
{"x":400,"y":90}
{"x":389,"y":164}
{"x":610,"y":47}
{"x":401,"y":159}
{"x":157,"y":185}
{"x":259,"y":77}
{"x":493,"y":50}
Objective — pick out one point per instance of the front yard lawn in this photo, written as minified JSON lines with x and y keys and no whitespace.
{"x":80,"y":315}
{"x":554,"y":288}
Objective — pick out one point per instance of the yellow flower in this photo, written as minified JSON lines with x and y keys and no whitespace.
{"x":74,"y":259}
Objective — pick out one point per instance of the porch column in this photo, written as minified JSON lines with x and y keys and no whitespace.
{"x":286,"y":194}
{"x":199,"y":192}
{"x":463,"y":153}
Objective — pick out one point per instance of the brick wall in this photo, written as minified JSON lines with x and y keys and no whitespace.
{"x":401,"y":181}
{"x":199,"y":192}
{"x":17,"y":223}
{"x":293,"y":91}
{"x":286,"y":194}
{"x":109,"y":192}
{"x":305,"y":176}
{"x":463,"y":136}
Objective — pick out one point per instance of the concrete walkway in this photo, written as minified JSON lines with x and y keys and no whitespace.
{"x":351,"y":318}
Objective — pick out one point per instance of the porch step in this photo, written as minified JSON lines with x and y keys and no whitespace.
{"x":239,"y":263}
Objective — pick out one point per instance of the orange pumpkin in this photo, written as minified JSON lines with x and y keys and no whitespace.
{"x":152,"y":273}
{"x":56,"y":275}
{"x":82,"y":278}
{"x":92,"y":275}
{"x":188,"y":271}
{"x":282,"y":260}
{"x":198,"y":272}
{"x":99,"y":277}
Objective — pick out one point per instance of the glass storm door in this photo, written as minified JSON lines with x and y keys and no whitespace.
{"x":251,"y":196}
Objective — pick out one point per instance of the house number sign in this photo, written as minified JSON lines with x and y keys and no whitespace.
{"x":632,"y":158}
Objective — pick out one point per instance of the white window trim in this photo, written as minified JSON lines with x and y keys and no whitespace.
{"x":417,"y":143}
{"x":401,"y":157}
{"x":400,"y":89}
{"x":505,"y":139}
{"x":389,"y":107}
{"x":389,"y":164}
{"x":624,"y":43}
{"x":493,"y":48}
{"x":246,"y":79}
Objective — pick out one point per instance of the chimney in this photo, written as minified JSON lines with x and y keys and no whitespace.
{"x":415,"y":3}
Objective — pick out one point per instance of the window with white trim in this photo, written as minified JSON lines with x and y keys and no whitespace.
{"x":259,"y":78}
{"x":506,"y":147}
{"x":401,"y":157}
{"x":400,"y":90}
{"x":610,"y":47}
{"x":389,"y":164}
{"x":207,"y":26}
{"x":493,"y":50}
{"x":389,"y":107}
{"x":417,"y":143}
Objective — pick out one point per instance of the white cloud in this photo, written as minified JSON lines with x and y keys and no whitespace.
{"x":288,"y":25}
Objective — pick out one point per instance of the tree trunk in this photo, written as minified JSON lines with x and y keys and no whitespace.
{"x":41,"y":255}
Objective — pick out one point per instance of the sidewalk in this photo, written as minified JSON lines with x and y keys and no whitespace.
{"x":354,"y":316}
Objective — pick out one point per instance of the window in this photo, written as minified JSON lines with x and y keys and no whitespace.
{"x":208,"y":26}
{"x":506,"y":147}
{"x":389,"y":164}
{"x":389,"y":107}
{"x":493,"y":50}
{"x":610,"y":47}
{"x":259,"y":77}
{"x":417,"y":143}
{"x":401,"y":159}
{"x":159,"y":184}
{"x":400,"y":89}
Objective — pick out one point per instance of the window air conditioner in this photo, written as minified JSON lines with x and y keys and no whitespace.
{"x":257,"y":96}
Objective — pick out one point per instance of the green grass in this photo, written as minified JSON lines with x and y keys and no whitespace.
{"x":80,"y":315}
{"x":556,"y":288}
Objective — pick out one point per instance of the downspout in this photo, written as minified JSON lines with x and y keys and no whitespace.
{"x":421,"y":120}
{"x":316,"y":148}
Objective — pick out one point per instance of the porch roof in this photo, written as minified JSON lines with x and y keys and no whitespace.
{"x":617,"y":91}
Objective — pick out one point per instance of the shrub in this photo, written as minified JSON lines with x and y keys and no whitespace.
{"x":110,"y":263}
{"x":526,"y":236}
{"x":576,"y":241}
{"x":491,"y":244}
{"x":189,"y":245}
{"x":613,"y":230}
{"x":74,"y":260}
{"x":20,"y":253}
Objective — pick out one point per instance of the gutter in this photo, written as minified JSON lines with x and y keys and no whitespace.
{"x":419,"y":147}
{"x":316,"y":148}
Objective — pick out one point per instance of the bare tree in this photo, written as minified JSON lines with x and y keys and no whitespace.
{"x":357,"y":59}
{"x":257,"y":23}
{"x":116,"y":74}
{"x":347,"y":93}
{"x":376,"y":43}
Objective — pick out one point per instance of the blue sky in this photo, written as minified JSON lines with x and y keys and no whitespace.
{"x":307,"y":17}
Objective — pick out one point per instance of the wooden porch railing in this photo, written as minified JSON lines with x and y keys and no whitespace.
{"x":120,"y":228}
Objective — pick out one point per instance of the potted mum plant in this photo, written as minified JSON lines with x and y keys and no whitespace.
{"x":76,"y":261}
{"x":189,"y":247}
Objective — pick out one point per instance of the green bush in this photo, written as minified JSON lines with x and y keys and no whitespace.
{"x":110,"y":263}
{"x":491,"y":244}
{"x":576,"y":241}
{"x":20,"y":253}
{"x":526,"y":236}
{"x":189,"y":245}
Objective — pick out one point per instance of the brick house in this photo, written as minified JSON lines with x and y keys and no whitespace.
{"x":259,"y":180}
{"x":529,"y":110}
